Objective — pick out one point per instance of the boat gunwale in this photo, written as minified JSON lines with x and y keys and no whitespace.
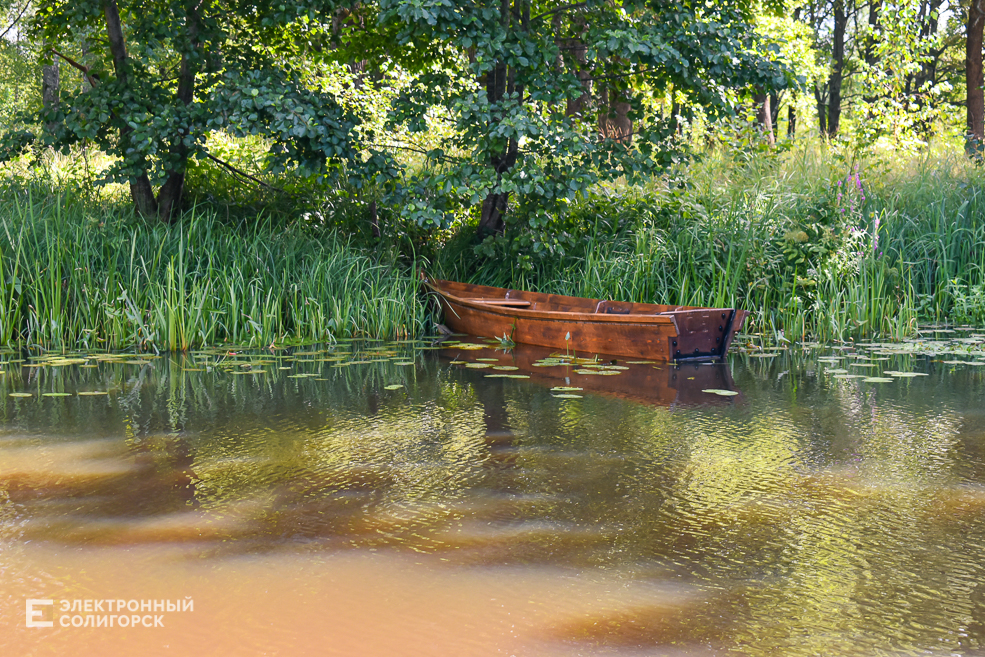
{"x":662,"y":317}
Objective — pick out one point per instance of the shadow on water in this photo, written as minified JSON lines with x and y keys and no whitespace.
{"x":559,"y":506}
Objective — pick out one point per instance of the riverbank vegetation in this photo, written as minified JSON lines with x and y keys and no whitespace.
{"x":815,"y":163}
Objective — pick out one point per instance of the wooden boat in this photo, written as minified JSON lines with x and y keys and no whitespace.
{"x":588,"y":326}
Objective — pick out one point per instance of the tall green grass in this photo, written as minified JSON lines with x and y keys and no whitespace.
{"x":768,"y":234}
{"x":77,"y":275}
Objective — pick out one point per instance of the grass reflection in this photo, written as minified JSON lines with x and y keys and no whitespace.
{"x":806,"y":516}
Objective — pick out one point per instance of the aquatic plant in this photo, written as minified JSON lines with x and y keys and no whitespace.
{"x":92,"y":276}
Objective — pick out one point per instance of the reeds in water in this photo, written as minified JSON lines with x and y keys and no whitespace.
{"x":73,"y":276}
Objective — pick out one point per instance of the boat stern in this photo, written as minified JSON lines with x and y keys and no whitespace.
{"x":704,"y":334}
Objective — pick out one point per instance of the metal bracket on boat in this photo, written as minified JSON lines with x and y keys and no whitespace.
{"x":726,"y":334}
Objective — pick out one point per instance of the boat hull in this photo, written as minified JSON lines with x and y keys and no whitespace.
{"x":589,"y":326}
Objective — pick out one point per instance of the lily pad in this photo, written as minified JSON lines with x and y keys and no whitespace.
{"x":567,"y":396}
{"x":906,"y":375}
{"x":849,"y":376}
{"x":722,"y":393}
{"x":56,"y":394}
{"x":477,"y":366}
{"x":505,"y":367}
{"x":487,"y":360}
{"x":92,"y":393}
{"x":837,"y":371}
{"x":21,"y":394}
{"x":877,"y":379}
{"x":565,"y":389}
{"x":587,"y":372}
{"x":404,"y":362}
{"x":769,"y":355}
{"x":393,"y":386}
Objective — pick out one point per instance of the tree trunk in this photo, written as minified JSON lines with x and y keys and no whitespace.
{"x":838,"y":70}
{"x":499,"y":84}
{"x":169,"y":196}
{"x":374,"y":219}
{"x":870,"y":42}
{"x":140,"y":187}
{"x":675,"y":122}
{"x":975,"y":134}
{"x":50,"y":88}
{"x":579,"y":53}
{"x":821,"y":100}
{"x":764,"y":118}
{"x":791,"y":120}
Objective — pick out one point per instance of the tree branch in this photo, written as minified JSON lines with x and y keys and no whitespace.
{"x":243,"y":174}
{"x":82,"y":67}
{"x":16,"y":20}
{"x":627,"y":74}
{"x":576,"y":5}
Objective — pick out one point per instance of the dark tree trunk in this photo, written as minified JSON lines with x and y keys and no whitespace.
{"x":929,"y":9}
{"x":973,"y":76}
{"x":838,"y":68}
{"x":374,"y":220}
{"x":50,"y":88}
{"x":169,"y":196}
{"x":500,"y":83}
{"x":764,"y":117}
{"x":140,"y":187}
{"x":791,"y":120}
{"x":579,"y":54}
{"x":821,"y":100}
{"x":870,"y":43}
{"x":675,"y":122}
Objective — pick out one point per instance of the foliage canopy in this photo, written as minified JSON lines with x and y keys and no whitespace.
{"x":543,"y":98}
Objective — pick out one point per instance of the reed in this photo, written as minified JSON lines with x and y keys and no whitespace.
{"x":74,"y":275}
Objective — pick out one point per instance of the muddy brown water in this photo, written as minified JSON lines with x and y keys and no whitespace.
{"x":395,"y":499}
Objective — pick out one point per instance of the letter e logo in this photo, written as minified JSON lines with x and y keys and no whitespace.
{"x":34,"y":614}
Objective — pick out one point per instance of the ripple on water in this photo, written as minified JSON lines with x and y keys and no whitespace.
{"x":472,"y":516}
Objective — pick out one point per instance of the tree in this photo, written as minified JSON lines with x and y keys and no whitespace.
{"x":165,"y":74}
{"x":975,"y":99}
{"x":544,"y":96}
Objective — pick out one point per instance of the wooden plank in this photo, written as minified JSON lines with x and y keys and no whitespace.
{"x":500,"y":302}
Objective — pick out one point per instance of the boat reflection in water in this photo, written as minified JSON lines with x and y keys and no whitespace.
{"x":645,"y":381}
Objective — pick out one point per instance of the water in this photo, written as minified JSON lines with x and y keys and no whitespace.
{"x":303,"y":504}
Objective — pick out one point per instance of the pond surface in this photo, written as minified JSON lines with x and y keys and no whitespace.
{"x":412,"y":499}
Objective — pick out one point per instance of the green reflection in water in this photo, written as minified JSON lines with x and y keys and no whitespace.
{"x":812,"y":514}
